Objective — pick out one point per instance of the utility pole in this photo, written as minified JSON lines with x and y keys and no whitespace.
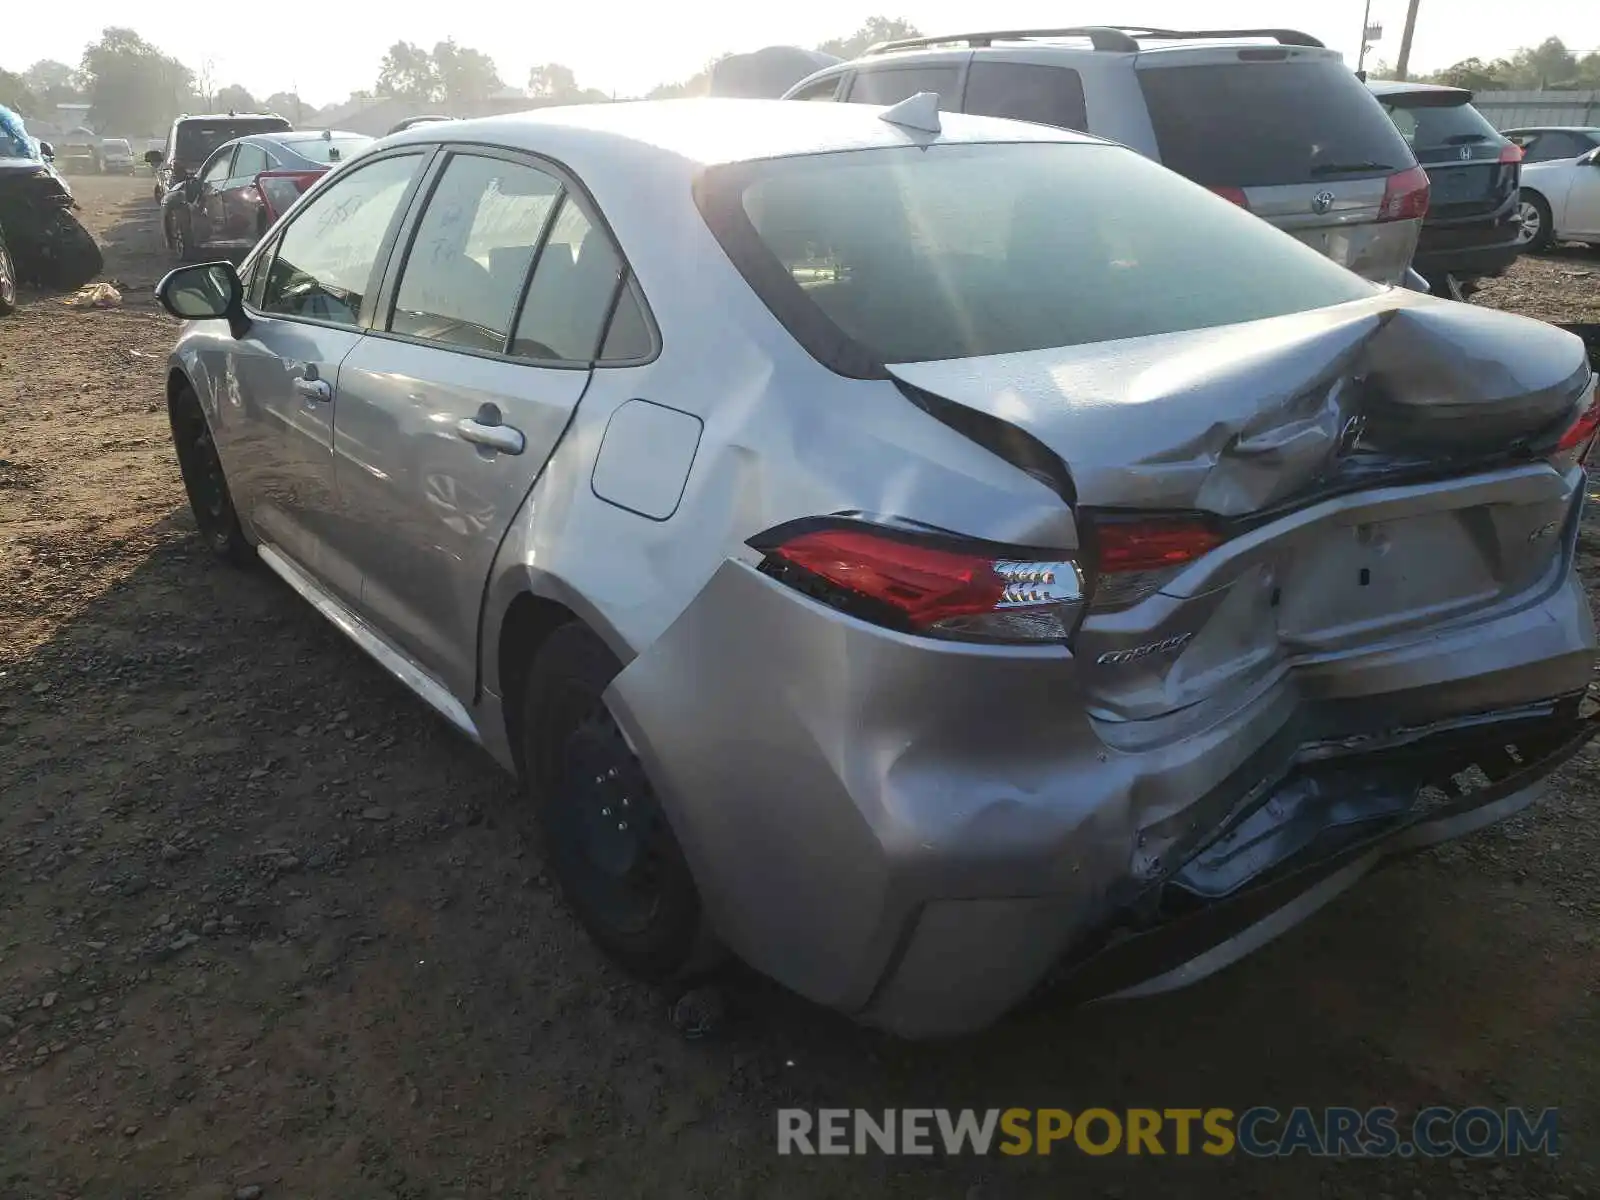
{"x":1366,"y":24}
{"x":1400,"y":68}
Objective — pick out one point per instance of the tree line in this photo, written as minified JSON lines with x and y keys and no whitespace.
{"x":1547,"y":66}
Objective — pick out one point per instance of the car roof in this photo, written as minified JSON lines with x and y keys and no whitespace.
{"x":187,"y":117}
{"x":291,"y":137}
{"x":1396,"y":87}
{"x":708,"y":131}
{"x":1553,"y":129}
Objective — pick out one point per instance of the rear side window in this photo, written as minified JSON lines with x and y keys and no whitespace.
{"x":906,"y":254}
{"x":572,"y":291}
{"x":824,"y":89}
{"x":1027,"y":92}
{"x":1438,"y":133}
{"x":892,"y":85}
{"x":1259,"y":124}
{"x":471,"y":252}
{"x":1553,"y":146}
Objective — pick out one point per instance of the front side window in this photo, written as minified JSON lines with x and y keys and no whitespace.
{"x":326,"y":257}
{"x":1027,"y":92}
{"x":249,"y":162}
{"x":908,"y":254}
{"x":572,"y":291}
{"x":823,"y":89}
{"x":471,"y":253}
{"x":890,"y":85}
{"x":217,"y":169}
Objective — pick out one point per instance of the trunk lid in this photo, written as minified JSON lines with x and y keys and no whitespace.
{"x":1374,"y":469}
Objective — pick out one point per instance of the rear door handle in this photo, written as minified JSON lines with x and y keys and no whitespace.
{"x":316,"y":390}
{"x":504,"y":438}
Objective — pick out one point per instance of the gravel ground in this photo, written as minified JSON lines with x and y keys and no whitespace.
{"x":269,"y":928}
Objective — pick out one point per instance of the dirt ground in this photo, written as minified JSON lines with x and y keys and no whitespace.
{"x":266,"y":923}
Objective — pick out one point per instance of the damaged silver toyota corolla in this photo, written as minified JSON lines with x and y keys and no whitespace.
{"x":934,"y":563}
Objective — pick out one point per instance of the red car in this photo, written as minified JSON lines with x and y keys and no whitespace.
{"x":245,"y":186}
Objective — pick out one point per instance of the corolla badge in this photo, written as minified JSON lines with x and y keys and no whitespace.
{"x":1322,"y":202}
{"x":1120,"y":658}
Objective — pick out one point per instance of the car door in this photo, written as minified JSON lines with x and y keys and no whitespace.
{"x":1583,"y":199}
{"x":312,"y":293}
{"x":205,"y":202}
{"x":241,"y":199}
{"x":448,"y":415}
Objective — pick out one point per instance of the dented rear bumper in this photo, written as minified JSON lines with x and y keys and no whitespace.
{"x":920,"y":833}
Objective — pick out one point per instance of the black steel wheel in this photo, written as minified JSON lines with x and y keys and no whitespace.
{"x":204,"y":481}
{"x":607,"y":839}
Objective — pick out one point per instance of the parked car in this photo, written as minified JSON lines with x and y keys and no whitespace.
{"x":921,"y":554}
{"x":1560,"y":199}
{"x":411,"y":122}
{"x":1550,"y":143}
{"x":1473,"y":229}
{"x":116,"y":157}
{"x":192,"y":139}
{"x":246,"y":185}
{"x":1269,"y":119}
{"x":80,"y":153}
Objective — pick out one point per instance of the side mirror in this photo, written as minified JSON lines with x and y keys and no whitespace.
{"x":46,"y":149}
{"x":191,"y":189}
{"x":206,"y":292}
{"x":154,"y":157}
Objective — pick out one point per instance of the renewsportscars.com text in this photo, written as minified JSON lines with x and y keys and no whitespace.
{"x":1259,"y":1132}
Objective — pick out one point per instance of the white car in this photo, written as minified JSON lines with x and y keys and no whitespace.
{"x":1560,"y":199}
{"x":116,"y":156}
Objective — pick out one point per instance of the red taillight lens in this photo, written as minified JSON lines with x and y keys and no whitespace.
{"x":280,"y":189}
{"x":1579,"y":439}
{"x":1510,"y":152}
{"x":1233,"y":195}
{"x":923,"y":587}
{"x":1405,"y":196}
{"x":1139,"y":545}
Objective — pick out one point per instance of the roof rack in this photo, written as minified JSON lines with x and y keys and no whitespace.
{"x":1117,"y":38}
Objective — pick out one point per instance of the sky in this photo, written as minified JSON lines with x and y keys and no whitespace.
{"x":327,"y":50}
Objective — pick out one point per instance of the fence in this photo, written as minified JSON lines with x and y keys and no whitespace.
{"x":1512,"y":110}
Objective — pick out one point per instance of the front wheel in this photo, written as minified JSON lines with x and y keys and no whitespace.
{"x":69,"y":255}
{"x":204,"y":481}
{"x":1537,"y":228}
{"x":181,"y":235}
{"x":606,"y":836}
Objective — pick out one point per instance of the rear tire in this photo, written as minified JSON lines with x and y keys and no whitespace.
{"x":1538,"y":228}
{"x":607,"y":839}
{"x":204,"y":481}
{"x":182,"y":238}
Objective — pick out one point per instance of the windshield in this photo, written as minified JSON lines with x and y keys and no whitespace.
{"x":1435,"y":131}
{"x":329,"y":150}
{"x":197,"y":139}
{"x":904,"y":255}
{"x":1261,"y":124}
{"x":116,"y":146}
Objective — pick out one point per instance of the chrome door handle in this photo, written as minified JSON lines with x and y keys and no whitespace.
{"x":504,"y":438}
{"x":319,"y":390}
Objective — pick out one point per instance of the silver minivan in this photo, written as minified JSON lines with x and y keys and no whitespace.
{"x":1269,"y":118}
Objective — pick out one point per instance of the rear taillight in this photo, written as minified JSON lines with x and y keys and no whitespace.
{"x":1510,"y":153}
{"x":1579,"y":439}
{"x":944,"y":586}
{"x":280,"y":189}
{"x":1233,"y":195}
{"x":1405,"y":196}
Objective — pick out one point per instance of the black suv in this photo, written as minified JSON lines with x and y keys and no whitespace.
{"x":192,"y":139}
{"x":1472,"y":227}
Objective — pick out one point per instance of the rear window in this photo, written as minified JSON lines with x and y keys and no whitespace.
{"x":329,"y":150}
{"x":1436,"y":131}
{"x":197,"y":139}
{"x":116,"y":146}
{"x":906,"y":255}
{"x":1259,"y":124}
{"x":1026,"y":92}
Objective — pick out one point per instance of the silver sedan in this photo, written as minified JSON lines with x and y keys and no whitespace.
{"x":934,"y":558}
